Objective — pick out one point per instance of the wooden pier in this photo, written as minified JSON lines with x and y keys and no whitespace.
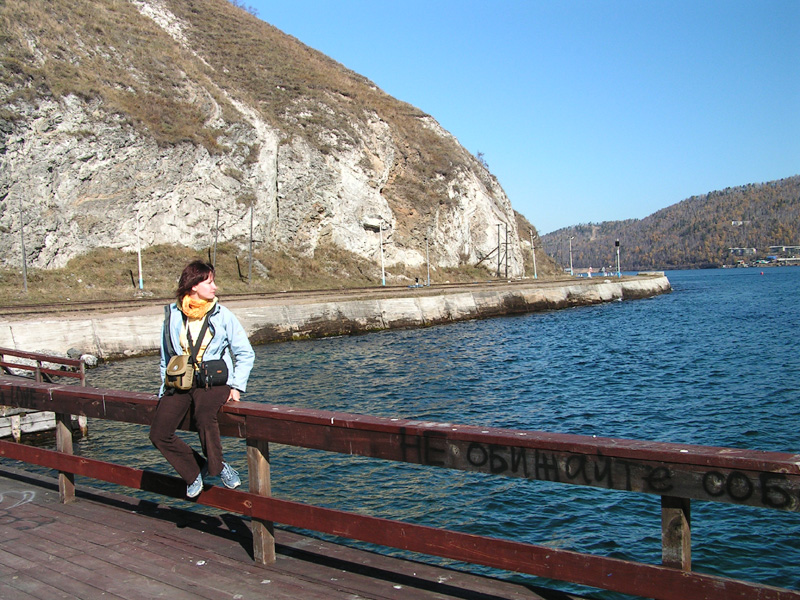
{"x":677,"y":473}
{"x":116,"y":547}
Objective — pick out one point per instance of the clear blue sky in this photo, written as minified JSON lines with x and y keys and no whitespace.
{"x":586,"y":111}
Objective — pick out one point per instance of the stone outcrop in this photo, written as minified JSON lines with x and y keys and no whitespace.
{"x":77,"y":173}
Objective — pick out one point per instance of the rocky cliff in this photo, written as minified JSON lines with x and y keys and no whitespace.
{"x":175,"y":121}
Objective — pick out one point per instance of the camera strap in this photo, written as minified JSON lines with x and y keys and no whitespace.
{"x":195,"y":348}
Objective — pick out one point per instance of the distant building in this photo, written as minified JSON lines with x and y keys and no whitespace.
{"x":784,"y":249}
{"x":742,"y":251}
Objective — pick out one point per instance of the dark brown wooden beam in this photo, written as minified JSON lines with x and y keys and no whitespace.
{"x":747,"y":477}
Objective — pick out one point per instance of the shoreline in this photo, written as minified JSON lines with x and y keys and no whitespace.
{"x":111,"y":336}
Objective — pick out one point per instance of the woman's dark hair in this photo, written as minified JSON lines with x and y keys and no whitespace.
{"x":194,"y":273}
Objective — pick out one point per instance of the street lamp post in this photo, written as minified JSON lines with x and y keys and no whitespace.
{"x":428,"y":261}
{"x":533,"y":254}
{"x":571,"y":272}
{"x":383,"y":272}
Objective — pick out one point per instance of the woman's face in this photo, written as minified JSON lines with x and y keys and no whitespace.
{"x":205,"y":290}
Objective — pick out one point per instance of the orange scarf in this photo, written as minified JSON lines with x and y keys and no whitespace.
{"x":196,"y":309}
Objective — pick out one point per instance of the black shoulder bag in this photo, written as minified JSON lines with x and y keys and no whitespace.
{"x":208,"y":372}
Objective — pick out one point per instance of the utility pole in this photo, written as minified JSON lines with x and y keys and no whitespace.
{"x":498,"y":250}
{"x":139,"y":251}
{"x":22,"y":241}
{"x":506,"y":250}
{"x":383,"y":272}
{"x":250,"y":266}
{"x":216,"y":235}
{"x":571,"y":273}
{"x":428,"y":261}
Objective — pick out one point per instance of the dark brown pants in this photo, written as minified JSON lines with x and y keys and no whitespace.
{"x":172,"y":410}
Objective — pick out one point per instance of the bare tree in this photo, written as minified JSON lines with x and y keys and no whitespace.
{"x":251,"y":9}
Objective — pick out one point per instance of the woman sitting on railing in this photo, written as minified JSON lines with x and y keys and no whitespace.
{"x":202,"y":335}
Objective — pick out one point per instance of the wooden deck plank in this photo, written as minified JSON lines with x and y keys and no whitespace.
{"x":408,"y":574}
{"x":161,"y":572}
{"x":127,"y":523}
{"x":14,"y":561}
{"x":204,"y":569}
{"x":318,"y":583}
{"x":39,"y":551}
{"x":117,"y":547}
{"x":230,"y":577}
{"x":223,"y":570}
{"x":129,"y":584}
{"x":352,"y":570}
{"x":30,"y":546}
{"x":67,"y":560}
{"x":126,"y":566}
{"x":87,"y":586}
{"x":29,"y":584}
{"x":9,"y":591}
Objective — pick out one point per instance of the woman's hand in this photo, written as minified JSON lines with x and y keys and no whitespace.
{"x":233,"y":396}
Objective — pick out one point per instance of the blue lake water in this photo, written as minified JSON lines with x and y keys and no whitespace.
{"x":715,"y":362}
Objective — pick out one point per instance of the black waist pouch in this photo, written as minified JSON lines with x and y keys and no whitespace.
{"x":212,"y":372}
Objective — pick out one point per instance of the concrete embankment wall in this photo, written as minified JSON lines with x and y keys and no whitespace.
{"x":110,"y":336}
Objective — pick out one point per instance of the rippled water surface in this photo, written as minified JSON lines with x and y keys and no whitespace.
{"x":714,"y":362}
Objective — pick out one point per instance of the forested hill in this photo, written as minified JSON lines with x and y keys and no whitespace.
{"x":698,"y":232}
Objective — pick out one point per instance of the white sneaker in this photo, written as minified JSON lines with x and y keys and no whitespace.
{"x":230,"y":477}
{"x":193,"y":490}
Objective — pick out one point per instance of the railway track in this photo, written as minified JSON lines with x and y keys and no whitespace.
{"x":25,"y":310}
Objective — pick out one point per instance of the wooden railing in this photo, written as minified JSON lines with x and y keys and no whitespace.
{"x":43,"y":368}
{"x":69,"y":367}
{"x":677,"y":473}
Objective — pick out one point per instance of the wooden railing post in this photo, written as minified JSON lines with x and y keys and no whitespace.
{"x":259,"y":473}
{"x":676,"y":533}
{"x":66,"y":481}
{"x":83,"y":422}
{"x":16,"y":428}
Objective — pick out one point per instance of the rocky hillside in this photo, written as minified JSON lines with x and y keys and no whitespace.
{"x":190,"y":121}
{"x":697,"y":232}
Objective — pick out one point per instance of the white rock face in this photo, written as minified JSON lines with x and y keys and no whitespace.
{"x":83,"y":181}
{"x":74,"y":177}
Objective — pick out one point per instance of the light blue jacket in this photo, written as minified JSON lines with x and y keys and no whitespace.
{"x":228,"y":338}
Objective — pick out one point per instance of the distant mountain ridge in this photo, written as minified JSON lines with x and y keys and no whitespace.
{"x":695,"y":233}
